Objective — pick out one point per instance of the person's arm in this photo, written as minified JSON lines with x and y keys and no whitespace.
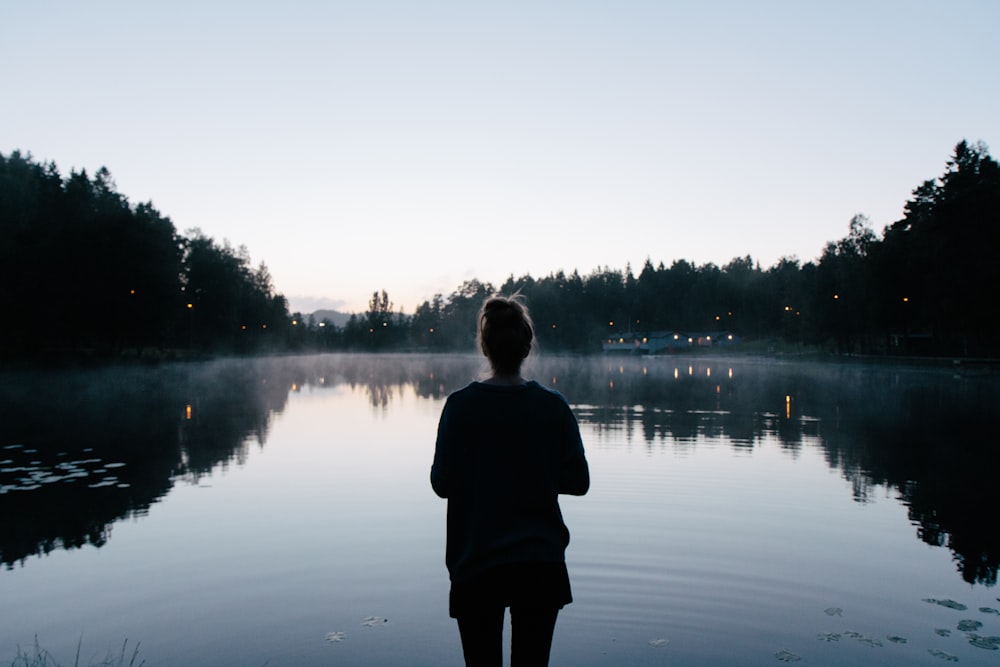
{"x":574,"y":478}
{"x":440,"y":469}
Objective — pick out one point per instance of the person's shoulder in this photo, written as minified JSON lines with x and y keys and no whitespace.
{"x":463,"y":393}
{"x":548,"y":392}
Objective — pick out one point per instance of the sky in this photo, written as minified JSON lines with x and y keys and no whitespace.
{"x":409,"y":146}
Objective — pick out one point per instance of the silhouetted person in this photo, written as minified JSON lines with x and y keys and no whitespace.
{"x":506,"y":448}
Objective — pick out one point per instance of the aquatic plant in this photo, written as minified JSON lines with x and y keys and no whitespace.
{"x":40,"y":657}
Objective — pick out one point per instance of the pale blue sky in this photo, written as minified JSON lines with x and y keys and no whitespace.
{"x":408,"y":146}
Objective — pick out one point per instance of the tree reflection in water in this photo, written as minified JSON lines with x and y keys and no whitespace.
{"x":80,"y":450}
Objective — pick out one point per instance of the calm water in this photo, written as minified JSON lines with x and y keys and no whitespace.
{"x":279,"y":512}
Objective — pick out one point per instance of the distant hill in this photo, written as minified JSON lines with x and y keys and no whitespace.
{"x":336,"y":317}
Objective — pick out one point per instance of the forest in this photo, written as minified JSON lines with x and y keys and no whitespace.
{"x":86,"y":273}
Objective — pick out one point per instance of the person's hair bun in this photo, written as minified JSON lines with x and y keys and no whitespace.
{"x":505,"y":332}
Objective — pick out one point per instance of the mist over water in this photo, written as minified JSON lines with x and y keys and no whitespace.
{"x":247,"y":510}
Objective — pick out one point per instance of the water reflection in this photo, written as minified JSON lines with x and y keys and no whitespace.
{"x":82,"y":450}
{"x":79,"y":451}
{"x":922,"y":432}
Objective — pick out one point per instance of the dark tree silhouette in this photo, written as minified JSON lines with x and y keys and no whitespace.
{"x":84,"y":270}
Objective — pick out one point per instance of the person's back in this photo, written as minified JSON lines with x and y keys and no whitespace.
{"x":506,"y":448}
{"x":519,"y":449}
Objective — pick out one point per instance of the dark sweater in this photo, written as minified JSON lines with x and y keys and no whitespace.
{"x":503,"y":455}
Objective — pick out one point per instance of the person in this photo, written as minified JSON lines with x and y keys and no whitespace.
{"x":506,"y":448}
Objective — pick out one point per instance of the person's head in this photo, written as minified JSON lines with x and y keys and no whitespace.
{"x":505,"y":333}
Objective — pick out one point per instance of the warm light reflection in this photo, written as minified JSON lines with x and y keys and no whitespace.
{"x":611,"y":385}
{"x":187,"y":411}
{"x":788,"y":407}
{"x":645,"y":371}
{"x":730,"y":373}
{"x":708,"y":372}
{"x":295,"y":323}
{"x":690,"y":370}
{"x":190,"y":306}
{"x":295,"y":387}
{"x":676,"y":373}
{"x":718,"y":389}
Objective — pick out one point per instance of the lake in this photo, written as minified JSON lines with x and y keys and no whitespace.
{"x":278,"y":512}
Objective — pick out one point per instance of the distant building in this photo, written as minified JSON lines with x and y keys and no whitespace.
{"x":657,"y":342}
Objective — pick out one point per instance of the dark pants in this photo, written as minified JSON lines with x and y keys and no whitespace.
{"x":531,"y":636}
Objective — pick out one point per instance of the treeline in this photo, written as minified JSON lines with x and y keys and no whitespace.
{"x":928,"y":285}
{"x":83,"y":270}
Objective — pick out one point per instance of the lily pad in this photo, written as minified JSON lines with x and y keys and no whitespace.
{"x":335,"y":637}
{"x":863,"y":639}
{"x":938,"y":653}
{"x":829,"y":636}
{"x":969,"y":625}
{"x":989,"y":610}
{"x":988,"y":643}
{"x":784,"y":655}
{"x":942,"y":632}
{"x":371,"y":621}
{"x":833,"y":611}
{"x":950,"y":604}
{"x":657,"y":643}
{"x":895,"y":639}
